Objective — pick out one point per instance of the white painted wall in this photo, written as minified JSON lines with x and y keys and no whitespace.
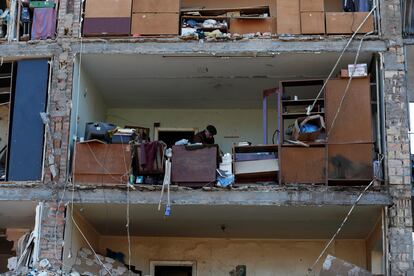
{"x":87,"y":103}
{"x":74,"y":240}
{"x":243,"y":123}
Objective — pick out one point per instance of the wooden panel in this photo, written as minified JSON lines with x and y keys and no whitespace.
{"x":288,"y":17}
{"x":312,"y":22}
{"x":354,"y":122}
{"x":312,"y":5}
{"x":245,"y":26}
{"x":106,"y":26}
{"x":100,"y":163}
{"x":350,"y":162}
{"x":155,"y":23}
{"x":108,"y":8}
{"x":348,"y":22}
{"x":303,"y":165}
{"x":172,"y":6}
{"x":198,"y":165}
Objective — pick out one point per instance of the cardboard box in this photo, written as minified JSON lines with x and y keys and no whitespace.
{"x":312,"y":22}
{"x":348,"y":22}
{"x":156,"y":6}
{"x":155,"y":24}
{"x":312,"y":5}
{"x":108,"y":8}
{"x":253,"y":25}
{"x":288,"y":17}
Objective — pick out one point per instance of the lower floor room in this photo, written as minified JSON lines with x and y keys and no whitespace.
{"x":219,"y":240}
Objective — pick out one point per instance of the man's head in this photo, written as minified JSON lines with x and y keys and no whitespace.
{"x":210,"y":131}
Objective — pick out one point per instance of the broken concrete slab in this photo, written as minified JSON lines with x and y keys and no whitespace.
{"x":333,"y":266}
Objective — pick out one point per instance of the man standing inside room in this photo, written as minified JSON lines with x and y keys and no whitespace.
{"x":206,"y":136}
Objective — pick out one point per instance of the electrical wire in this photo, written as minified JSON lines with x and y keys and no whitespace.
{"x":83,"y":235}
{"x":310,"y":269}
{"x":311,"y":107}
{"x":347,"y":86}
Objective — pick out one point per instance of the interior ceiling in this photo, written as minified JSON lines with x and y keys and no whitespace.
{"x":239,"y":221}
{"x":156,"y":81}
{"x":17,"y":214}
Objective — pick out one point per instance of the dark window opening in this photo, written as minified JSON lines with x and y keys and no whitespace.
{"x":173,"y":271}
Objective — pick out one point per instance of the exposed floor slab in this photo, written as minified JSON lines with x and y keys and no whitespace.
{"x":301,"y":195}
{"x":253,"y":46}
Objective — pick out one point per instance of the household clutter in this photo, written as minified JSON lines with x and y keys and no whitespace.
{"x":193,"y":19}
{"x":323,"y":135}
{"x":28,"y":20}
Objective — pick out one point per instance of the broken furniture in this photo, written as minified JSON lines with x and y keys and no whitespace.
{"x":257,"y":163}
{"x":96,"y":163}
{"x":155,"y":17}
{"x":350,"y":142}
{"x":343,"y":153}
{"x":107,"y":17}
{"x":194,"y":165}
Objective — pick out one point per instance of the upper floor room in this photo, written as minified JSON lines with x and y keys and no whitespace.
{"x":23,"y":20}
{"x":226,"y":20}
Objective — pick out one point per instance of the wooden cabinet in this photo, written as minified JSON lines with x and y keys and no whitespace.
{"x":98,"y":163}
{"x":344,"y":152}
{"x":354,"y":122}
{"x":192,"y":166}
{"x":303,"y":165}
{"x":155,"y":17}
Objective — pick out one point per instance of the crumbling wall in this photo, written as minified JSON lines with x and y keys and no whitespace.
{"x":218,"y":256}
{"x":51,"y":233}
{"x":397,"y":142}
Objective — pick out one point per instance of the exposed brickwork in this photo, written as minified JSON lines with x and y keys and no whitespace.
{"x":397,"y":161}
{"x":397,"y":142}
{"x":51,"y":239}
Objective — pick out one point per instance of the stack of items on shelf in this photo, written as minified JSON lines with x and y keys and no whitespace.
{"x":334,"y":143}
{"x":219,"y":22}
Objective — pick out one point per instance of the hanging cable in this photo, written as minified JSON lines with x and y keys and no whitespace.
{"x":312,"y":106}
{"x":310,"y":269}
{"x":351,"y":74}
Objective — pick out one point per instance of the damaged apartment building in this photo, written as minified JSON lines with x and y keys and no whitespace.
{"x":103,"y":103}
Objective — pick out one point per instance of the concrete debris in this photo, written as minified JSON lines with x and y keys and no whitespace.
{"x":333,"y":266}
{"x":87,"y":264}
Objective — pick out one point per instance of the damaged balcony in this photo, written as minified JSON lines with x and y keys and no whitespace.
{"x":272,"y":239}
{"x":254,"y":103}
{"x":24,"y":20}
{"x":228,"y":20}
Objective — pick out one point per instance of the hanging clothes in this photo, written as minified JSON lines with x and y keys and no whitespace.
{"x":44,"y":23}
{"x":349,"y":6}
{"x":362,"y":5}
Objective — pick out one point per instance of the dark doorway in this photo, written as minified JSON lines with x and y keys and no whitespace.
{"x":170,"y":137}
{"x":173,"y":270}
